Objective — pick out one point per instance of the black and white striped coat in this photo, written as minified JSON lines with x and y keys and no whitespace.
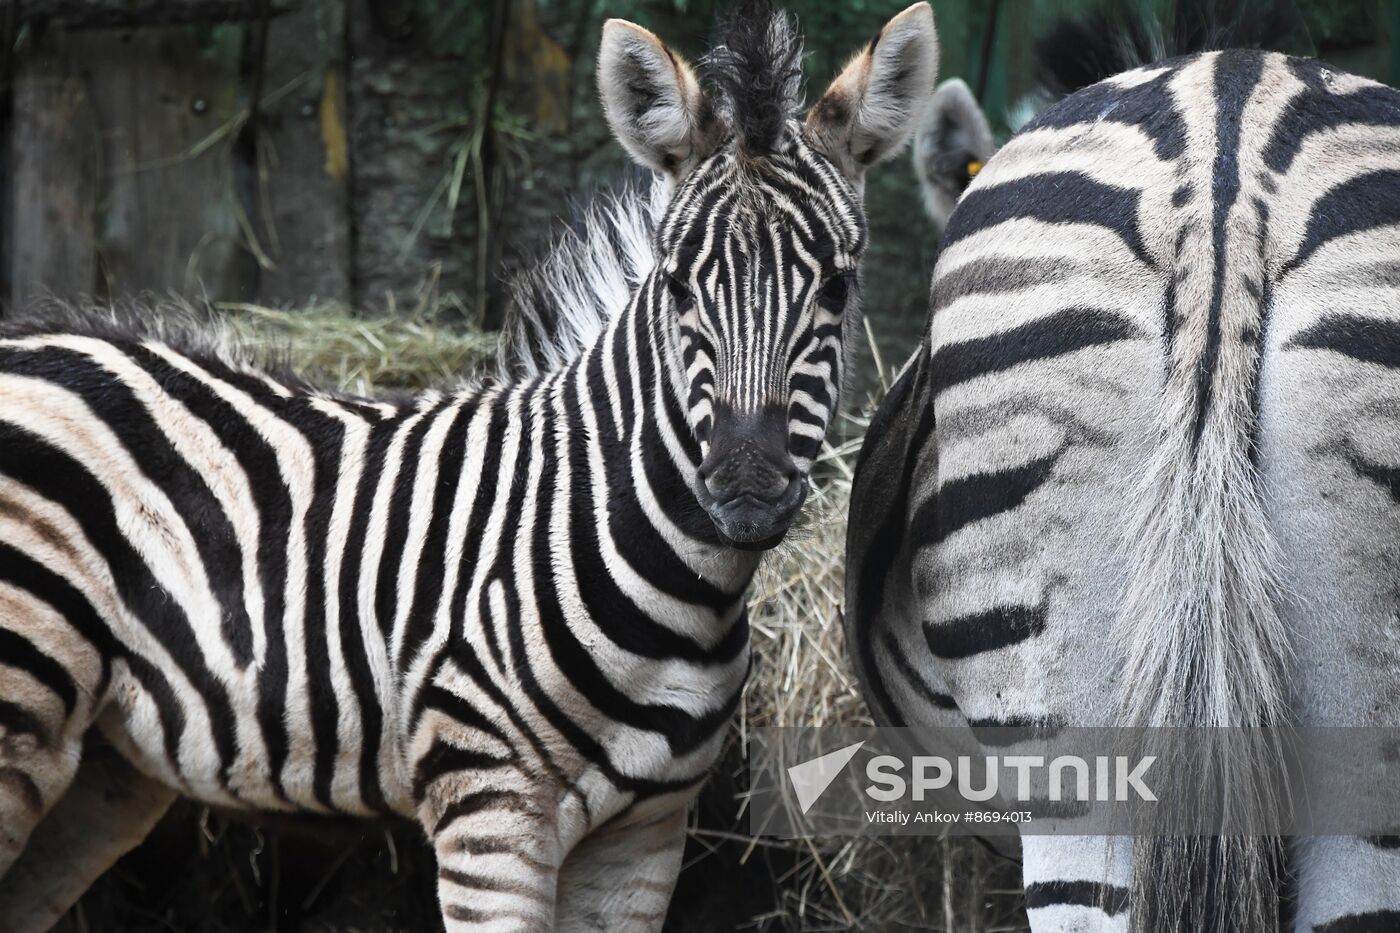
{"x":513,"y":612}
{"x":1142,"y":469}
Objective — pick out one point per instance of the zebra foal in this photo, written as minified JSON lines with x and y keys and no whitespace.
{"x":514,"y":611}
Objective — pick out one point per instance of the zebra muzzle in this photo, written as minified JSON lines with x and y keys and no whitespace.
{"x":749,"y":484}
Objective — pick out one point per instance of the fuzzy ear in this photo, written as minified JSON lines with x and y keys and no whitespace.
{"x":870,"y":110}
{"x":952,"y":144}
{"x":652,"y":100}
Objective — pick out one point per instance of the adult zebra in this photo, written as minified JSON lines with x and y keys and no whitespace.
{"x":1159,"y":378}
{"x":511,"y":611}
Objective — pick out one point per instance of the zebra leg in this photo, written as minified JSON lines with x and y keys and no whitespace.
{"x":497,"y":855}
{"x":108,"y":811}
{"x":34,"y":772}
{"x":622,"y":878}
{"x":1077,"y":884}
{"x":43,"y":714}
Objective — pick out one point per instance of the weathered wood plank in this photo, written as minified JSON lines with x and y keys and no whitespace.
{"x":303,"y":163}
{"x":94,"y":14}
{"x":410,"y":103}
{"x":168,"y":107}
{"x":52,"y":187}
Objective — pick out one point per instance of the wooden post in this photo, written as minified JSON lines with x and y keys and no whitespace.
{"x":172,"y":215}
{"x":52,"y":203}
{"x":303,"y":159}
{"x":410,"y":105}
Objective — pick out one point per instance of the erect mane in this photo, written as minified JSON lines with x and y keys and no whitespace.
{"x":560,"y":305}
{"x":757,"y":71}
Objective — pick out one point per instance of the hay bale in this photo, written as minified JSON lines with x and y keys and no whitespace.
{"x":330,"y":345}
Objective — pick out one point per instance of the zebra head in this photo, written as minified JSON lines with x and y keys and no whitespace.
{"x":759,"y":247}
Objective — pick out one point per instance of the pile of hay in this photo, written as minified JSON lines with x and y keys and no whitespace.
{"x":330,"y":345}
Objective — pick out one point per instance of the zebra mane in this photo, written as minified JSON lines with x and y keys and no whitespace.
{"x":757,"y":69}
{"x":1077,"y":51}
{"x":191,"y":328}
{"x":560,"y":305}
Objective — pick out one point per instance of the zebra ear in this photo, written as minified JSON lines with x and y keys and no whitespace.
{"x":870,"y":110}
{"x":952,"y":144}
{"x":652,"y":100}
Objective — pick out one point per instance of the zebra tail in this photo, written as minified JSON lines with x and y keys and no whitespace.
{"x":1206,"y":647}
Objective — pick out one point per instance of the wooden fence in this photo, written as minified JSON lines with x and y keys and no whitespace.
{"x":246,"y":150}
{"x":398,"y":153}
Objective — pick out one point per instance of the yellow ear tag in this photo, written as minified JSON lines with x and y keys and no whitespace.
{"x":973,"y":168}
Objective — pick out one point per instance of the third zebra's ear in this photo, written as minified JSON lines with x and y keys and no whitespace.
{"x":870,"y":111}
{"x":954,"y":141}
{"x":652,"y":100}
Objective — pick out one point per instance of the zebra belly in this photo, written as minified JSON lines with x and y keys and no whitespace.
{"x":246,"y":780}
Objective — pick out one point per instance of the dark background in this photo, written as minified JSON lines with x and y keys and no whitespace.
{"x":398,"y":155}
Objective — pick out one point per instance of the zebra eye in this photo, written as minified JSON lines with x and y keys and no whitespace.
{"x":680,"y":293}
{"x":835,"y":291}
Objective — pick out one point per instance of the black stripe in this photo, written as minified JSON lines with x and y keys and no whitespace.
{"x":19,"y":570}
{"x":325,"y":436}
{"x":427,"y":593}
{"x":16,"y":720}
{"x":934,"y":698}
{"x":997,"y":275}
{"x":1150,"y":107}
{"x":1388,"y":478}
{"x":1361,"y":203}
{"x":1109,"y":898}
{"x":22,"y":787}
{"x":479,"y":882}
{"x":400,"y":502}
{"x":562,"y":644}
{"x":644,"y":550}
{"x":1054,"y":198}
{"x":1265,"y":303}
{"x":468,"y":804}
{"x":444,"y":758}
{"x":19,"y":652}
{"x":1368,"y":340}
{"x":352,"y":631}
{"x":1005,"y":731}
{"x":683,"y":731}
{"x":1236,"y":75}
{"x":1056,"y":334}
{"x":458,"y":710}
{"x":1377,"y":921}
{"x":997,"y":628}
{"x":1317,"y":109}
{"x":464,"y":657}
{"x":970,"y":499}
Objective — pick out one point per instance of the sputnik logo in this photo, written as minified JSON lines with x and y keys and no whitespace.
{"x":811,"y":778}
